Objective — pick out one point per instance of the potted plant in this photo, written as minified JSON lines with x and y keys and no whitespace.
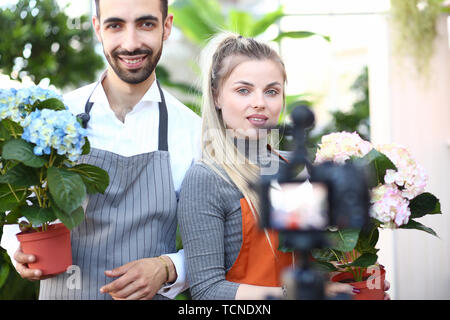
{"x":397,"y":185}
{"x":40,"y":180}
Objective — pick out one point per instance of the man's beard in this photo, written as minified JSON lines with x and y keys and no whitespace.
{"x":138,"y":75}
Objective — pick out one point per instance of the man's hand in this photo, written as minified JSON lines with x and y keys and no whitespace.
{"x":140,"y":279}
{"x":22,"y":269}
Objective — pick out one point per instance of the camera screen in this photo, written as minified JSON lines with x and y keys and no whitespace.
{"x":298,"y":206}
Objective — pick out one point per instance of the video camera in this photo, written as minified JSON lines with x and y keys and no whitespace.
{"x":302,"y":207}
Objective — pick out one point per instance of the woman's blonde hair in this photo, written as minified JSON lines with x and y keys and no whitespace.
{"x":217,"y":147}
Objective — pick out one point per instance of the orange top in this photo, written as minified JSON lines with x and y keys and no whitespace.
{"x":258,"y":263}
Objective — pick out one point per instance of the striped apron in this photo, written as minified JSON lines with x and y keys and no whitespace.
{"x":134,"y":219}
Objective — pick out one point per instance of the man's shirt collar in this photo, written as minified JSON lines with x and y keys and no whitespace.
{"x":99,"y":95}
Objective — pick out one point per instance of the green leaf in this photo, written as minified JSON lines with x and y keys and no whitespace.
{"x":4,"y":267}
{"x":323,"y":266}
{"x":323,"y":254}
{"x":95,"y":178}
{"x":59,"y":160}
{"x":299,"y":35}
{"x":191,"y":22}
{"x":343,"y":240}
{"x":13,"y":216}
{"x":261,"y":25}
{"x":423,"y":204}
{"x":240,"y":22}
{"x":67,"y":188}
{"x":4,"y":132}
{"x":363,"y":261}
{"x":418,"y":226}
{"x":377,"y":164}
{"x":368,"y":238}
{"x":37,"y":215}
{"x":20,"y":150}
{"x":210,"y":12}
{"x":20,"y":176}
{"x":7,"y":128}
{"x":8,"y":200}
{"x":86,"y":147}
{"x":53,"y":104}
{"x":70,"y":220}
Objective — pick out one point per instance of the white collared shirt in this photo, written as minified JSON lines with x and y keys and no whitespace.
{"x":139,"y":134}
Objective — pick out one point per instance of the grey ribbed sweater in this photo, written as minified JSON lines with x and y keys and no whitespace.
{"x":210,"y":220}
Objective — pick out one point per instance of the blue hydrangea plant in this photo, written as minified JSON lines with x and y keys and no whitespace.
{"x":41,"y":142}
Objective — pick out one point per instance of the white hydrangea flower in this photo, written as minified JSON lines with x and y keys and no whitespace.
{"x":340,"y":146}
{"x":389,"y":206}
{"x":410,"y":176}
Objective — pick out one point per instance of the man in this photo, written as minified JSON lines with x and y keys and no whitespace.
{"x":146,"y":140}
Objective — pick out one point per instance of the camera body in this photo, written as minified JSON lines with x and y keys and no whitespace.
{"x":348,"y":193}
{"x":328,"y":195}
{"x":333,"y":195}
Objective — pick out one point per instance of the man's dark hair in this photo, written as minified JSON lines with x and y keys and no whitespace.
{"x":163,"y":3}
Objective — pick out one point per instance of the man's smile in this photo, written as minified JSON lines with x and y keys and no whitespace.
{"x":133,"y":62}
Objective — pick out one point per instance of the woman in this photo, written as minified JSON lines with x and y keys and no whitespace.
{"x":227,"y":255}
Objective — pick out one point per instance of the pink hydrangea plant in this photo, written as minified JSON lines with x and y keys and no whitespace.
{"x":398,"y":198}
{"x":389,"y":200}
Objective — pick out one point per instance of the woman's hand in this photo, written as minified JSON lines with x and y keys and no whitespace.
{"x":332,"y":289}
{"x":387,"y":285}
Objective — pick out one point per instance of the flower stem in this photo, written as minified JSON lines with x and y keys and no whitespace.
{"x":12,"y":191}
{"x":52,"y":158}
{"x":337,"y":257}
{"x":12,"y":131}
{"x":38,"y":195}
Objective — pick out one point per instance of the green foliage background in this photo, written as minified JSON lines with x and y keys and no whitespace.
{"x":32,"y":28}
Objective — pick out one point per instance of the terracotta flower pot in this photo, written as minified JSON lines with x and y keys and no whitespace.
{"x":370,"y":289}
{"x":51,"y":248}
